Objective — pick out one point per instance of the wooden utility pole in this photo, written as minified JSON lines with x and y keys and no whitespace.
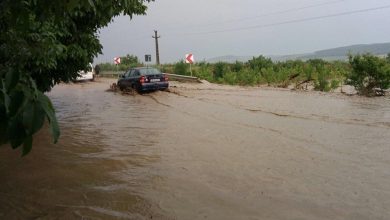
{"x":157,"y":52}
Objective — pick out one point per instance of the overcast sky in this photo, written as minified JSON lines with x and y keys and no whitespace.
{"x":211,"y":28}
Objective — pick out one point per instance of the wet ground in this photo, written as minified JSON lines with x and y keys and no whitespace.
{"x":204,"y":151}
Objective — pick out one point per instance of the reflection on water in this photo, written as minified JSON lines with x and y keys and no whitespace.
{"x":204,"y":152}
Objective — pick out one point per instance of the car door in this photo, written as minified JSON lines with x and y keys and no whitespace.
{"x":135,"y":74}
{"x":127,"y":81}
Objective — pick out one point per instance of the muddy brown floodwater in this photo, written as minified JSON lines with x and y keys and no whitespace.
{"x":204,"y":151}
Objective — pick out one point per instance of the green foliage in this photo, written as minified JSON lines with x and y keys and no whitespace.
{"x":43,"y":43}
{"x":237,"y":66}
{"x":369,"y":73}
{"x":220,"y":69}
{"x":334,"y":84}
{"x":260,"y":62}
{"x":129,"y":60}
{"x":324,"y":75}
{"x":248,"y":77}
{"x":322,"y":83}
{"x":181,"y":68}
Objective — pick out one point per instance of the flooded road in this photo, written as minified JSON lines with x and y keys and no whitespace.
{"x":204,"y":151}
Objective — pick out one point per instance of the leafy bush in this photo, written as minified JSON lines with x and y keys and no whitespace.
{"x":237,"y":66}
{"x":230,"y":78}
{"x":181,"y":68}
{"x":368,"y":74}
{"x":257,"y":63}
{"x":248,"y":77}
{"x":219,"y":69}
{"x":260,"y":70}
{"x":322,"y":83}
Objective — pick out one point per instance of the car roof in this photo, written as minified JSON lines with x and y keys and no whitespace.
{"x":147,"y":70}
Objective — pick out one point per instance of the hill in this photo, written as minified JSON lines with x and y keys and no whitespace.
{"x":339,"y":53}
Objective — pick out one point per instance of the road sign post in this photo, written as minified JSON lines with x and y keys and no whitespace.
{"x":148,"y":58}
{"x":117,"y":61}
{"x":190,"y":59}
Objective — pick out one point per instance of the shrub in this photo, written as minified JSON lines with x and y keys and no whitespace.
{"x":257,"y":63}
{"x":370,"y":75}
{"x":334,"y":84}
{"x":230,"y":78}
{"x":322,"y":83}
{"x":181,"y":68}
{"x":237,"y":66}
{"x":219,"y":69}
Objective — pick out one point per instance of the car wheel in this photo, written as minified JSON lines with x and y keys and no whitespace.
{"x":138,"y":88}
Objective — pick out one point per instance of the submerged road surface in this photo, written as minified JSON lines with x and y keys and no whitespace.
{"x":204,"y":151}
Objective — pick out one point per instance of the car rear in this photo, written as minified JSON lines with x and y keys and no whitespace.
{"x":154,"y":82}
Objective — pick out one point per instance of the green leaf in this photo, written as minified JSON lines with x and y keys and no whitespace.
{"x":27,"y":145}
{"x":17,"y":102}
{"x":33,"y":117}
{"x":11,"y":79}
{"x":50,"y":113}
{"x":16,"y":133}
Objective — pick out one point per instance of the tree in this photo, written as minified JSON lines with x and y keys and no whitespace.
{"x":220,"y":69}
{"x":257,"y":63}
{"x":129,"y":60}
{"x":370,"y":74}
{"x":43,"y":43}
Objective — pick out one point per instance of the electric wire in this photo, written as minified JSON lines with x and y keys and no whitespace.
{"x":290,"y":21}
{"x":260,"y":16}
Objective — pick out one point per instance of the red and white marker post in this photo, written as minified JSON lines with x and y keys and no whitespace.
{"x":117,"y":60}
{"x":190,"y":59}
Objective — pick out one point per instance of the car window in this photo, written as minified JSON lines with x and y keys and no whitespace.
{"x":136,"y":73}
{"x":149,"y":71}
{"x":133,"y":73}
{"x":127,"y":74}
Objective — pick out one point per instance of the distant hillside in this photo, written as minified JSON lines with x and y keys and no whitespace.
{"x":340,"y":53}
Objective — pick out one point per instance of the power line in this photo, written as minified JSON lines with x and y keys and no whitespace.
{"x":291,"y":21}
{"x":261,"y":15}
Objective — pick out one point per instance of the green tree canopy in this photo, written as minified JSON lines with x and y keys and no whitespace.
{"x":43,"y":43}
{"x":129,"y":60}
{"x":368,"y":73}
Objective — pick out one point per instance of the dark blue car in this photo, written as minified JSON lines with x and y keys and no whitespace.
{"x":143,"y":79}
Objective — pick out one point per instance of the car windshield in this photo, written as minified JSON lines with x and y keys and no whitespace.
{"x":149,"y":71}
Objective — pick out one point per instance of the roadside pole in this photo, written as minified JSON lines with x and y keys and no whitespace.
{"x":190,"y":59}
{"x":148,"y":58}
{"x":117,"y":61}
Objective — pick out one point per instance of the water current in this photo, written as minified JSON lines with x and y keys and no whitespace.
{"x":203,"y":151}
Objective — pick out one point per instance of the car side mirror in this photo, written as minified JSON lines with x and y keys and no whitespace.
{"x":123,"y":76}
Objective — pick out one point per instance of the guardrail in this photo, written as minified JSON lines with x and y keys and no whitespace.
{"x":111,"y":74}
{"x":182,"y":78}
